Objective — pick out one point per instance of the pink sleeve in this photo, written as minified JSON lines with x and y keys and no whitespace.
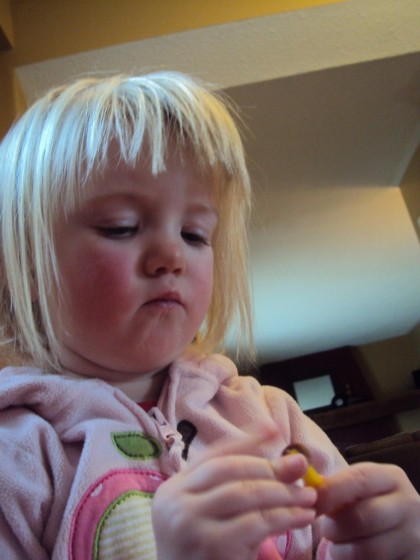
{"x":31,"y":483}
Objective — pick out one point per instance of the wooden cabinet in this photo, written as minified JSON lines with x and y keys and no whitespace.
{"x":362,"y":418}
{"x":367,"y":421}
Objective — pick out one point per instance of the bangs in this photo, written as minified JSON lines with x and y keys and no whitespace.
{"x":132,"y":117}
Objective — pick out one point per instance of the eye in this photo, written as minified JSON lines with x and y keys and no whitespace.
{"x":195,"y":238}
{"x":118,"y":232}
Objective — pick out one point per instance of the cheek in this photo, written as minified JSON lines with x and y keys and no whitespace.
{"x":96,"y":281}
{"x":204,"y":285}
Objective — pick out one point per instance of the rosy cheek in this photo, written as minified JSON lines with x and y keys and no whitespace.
{"x":204,"y":282}
{"x":97,"y":279}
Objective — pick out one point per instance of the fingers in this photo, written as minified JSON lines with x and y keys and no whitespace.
{"x":358,"y":482}
{"x":252,"y":494}
{"x":372,"y":511}
{"x":363,"y":519}
{"x":255,"y":526}
{"x":245,"y":445}
{"x":232,"y":493}
{"x":238,"y":484}
{"x":217,"y":470}
{"x":384,"y":545}
{"x":290,"y":468}
{"x":244,"y":496}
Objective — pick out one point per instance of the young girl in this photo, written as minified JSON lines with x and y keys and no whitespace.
{"x":124,"y":205}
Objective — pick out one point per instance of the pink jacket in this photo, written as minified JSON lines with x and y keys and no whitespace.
{"x":80,"y":461}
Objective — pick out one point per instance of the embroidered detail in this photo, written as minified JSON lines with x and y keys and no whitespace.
{"x":125,"y":529}
{"x":188,"y":432}
{"x":113,"y":518}
{"x":136,"y":445}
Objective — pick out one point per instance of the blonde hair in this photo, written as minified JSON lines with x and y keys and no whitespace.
{"x":63,"y":140}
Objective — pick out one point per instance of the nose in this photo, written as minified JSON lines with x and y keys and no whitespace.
{"x":164,"y":256}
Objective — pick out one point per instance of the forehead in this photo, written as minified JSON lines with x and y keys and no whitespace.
{"x":113,"y":171}
{"x":182,"y":172}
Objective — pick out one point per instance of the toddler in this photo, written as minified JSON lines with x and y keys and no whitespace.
{"x":124,"y":204}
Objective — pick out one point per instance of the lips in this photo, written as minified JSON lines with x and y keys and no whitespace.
{"x":166,"y":299}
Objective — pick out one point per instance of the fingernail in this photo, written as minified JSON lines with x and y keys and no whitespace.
{"x":294,"y":460}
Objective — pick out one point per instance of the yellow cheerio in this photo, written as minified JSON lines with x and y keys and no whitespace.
{"x":311,"y":477}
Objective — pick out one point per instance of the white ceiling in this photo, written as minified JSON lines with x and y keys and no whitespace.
{"x":330,"y":97}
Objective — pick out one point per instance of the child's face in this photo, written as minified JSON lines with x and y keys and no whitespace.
{"x":136,"y":263}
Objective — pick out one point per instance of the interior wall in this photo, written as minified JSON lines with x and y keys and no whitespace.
{"x":410,"y":189}
{"x":100,"y":24}
{"x":389,"y":365}
{"x":45,"y":29}
{"x":8,"y":110}
{"x":7,"y":102}
{"x":416,"y":337}
{"x":6,"y":25}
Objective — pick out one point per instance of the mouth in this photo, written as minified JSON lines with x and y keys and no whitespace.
{"x":166,"y":300}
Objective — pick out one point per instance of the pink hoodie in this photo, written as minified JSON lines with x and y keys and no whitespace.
{"x":80,"y":461}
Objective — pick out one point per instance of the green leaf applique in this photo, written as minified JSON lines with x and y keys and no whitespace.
{"x":136,"y":445}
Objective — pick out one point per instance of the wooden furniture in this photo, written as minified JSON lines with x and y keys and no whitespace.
{"x":341,"y":364}
{"x":367,"y":421}
{"x":361,"y":418}
{"x":366,"y":411}
{"x":402,"y":449}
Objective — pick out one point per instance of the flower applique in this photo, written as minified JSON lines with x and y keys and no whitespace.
{"x":113,"y":518}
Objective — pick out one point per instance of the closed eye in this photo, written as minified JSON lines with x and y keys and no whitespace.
{"x":194,"y":238}
{"x":118,"y":232}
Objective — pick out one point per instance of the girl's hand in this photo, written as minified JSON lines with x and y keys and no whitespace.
{"x":372,"y":511}
{"x":228,"y":502}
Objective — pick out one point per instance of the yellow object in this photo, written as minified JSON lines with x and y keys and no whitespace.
{"x":311,"y":477}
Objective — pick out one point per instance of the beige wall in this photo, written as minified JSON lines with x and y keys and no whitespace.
{"x":7,"y":103}
{"x":45,"y":29}
{"x":6,"y":25}
{"x":410,"y":189}
{"x":389,"y":365}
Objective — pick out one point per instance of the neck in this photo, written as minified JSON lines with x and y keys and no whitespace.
{"x":145,"y":387}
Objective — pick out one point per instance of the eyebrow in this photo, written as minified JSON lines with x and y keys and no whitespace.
{"x":194,"y":206}
{"x":204,"y":208}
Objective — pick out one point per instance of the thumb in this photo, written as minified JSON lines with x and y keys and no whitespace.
{"x":290,"y":468}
